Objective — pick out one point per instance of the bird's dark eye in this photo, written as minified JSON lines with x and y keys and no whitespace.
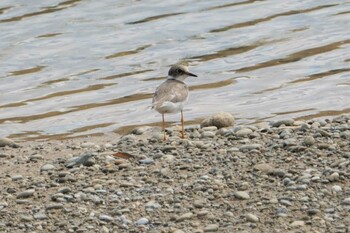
{"x":179,"y":71}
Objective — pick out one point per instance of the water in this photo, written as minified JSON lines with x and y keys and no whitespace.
{"x":70,"y":68}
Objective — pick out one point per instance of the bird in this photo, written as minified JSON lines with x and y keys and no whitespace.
{"x":172,"y":95}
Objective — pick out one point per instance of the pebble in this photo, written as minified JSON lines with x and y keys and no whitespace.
{"x":286,"y":122}
{"x":264,"y":167}
{"x":27,"y":193}
{"x":152,"y":205}
{"x":54,"y":206}
{"x":40,"y":216}
{"x":242,"y":195}
{"x":8,"y":142}
{"x":142,"y":221}
{"x":105,"y":218}
{"x":309,"y":141}
{"x":16,"y":177}
{"x":334,"y":177}
{"x":84,"y":159}
{"x":245,"y":132}
{"x":251,"y":218}
{"x":211,"y":228}
{"x":250,"y":147}
{"x":337,"y":188}
{"x":47,"y":167}
{"x":146,"y":161}
{"x":184,"y":217}
{"x":208,"y":134}
{"x":64,"y":190}
{"x":296,"y":224}
{"x":220,"y":120}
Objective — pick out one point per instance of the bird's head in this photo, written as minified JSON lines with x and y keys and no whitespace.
{"x":179,"y":72}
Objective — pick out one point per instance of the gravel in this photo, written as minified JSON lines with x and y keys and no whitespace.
{"x":284,"y":176}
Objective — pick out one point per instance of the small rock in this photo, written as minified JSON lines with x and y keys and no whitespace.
{"x":219,"y":120}
{"x":264,"y":167}
{"x":252,"y":218}
{"x":64,"y":190}
{"x":26,"y":218}
{"x":84,"y":159}
{"x":184,"y":217}
{"x":296,"y":224}
{"x":245,"y":132}
{"x":241,"y":195}
{"x":152,"y":205}
{"x":105,"y":218}
{"x":40,"y":216}
{"x":141,"y":130}
{"x":54,"y":206}
{"x":47,"y":167}
{"x":27,"y":193}
{"x":146,"y":161}
{"x":309,"y":140}
{"x":287,"y":122}
{"x":211,"y":228}
{"x":7,"y":142}
{"x":346,"y":201}
{"x":208,"y":134}
{"x":142,"y":221}
{"x":334,"y":176}
{"x":250,"y":147}
{"x":337,"y":188}
{"x":16,"y":177}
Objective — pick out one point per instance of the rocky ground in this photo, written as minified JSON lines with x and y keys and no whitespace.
{"x":285,"y":176}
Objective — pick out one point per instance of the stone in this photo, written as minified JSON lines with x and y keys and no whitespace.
{"x":27,"y":193}
{"x":146,"y":161}
{"x":220,"y":120}
{"x":142,"y":221}
{"x":8,"y":142}
{"x":264,"y":168}
{"x":287,"y":122}
{"x":297,"y":224}
{"x":309,"y":140}
{"x":184,"y":217}
{"x":47,"y":167}
{"x":142,"y":130}
{"x":208,"y":134}
{"x":106,"y":218}
{"x":16,"y":177}
{"x":251,"y":218}
{"x":84,"y":159}
{"x":241,"y":195}
{"x":245,"y":132}
{"x":250,"y":147}
{"x":211,"y":228}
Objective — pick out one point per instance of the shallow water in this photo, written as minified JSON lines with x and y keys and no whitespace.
{"x":74,"y":67}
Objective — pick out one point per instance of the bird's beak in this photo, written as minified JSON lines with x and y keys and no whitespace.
{"x":190,"y":74}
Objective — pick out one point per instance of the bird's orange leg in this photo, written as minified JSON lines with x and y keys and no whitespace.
{"x":164,"y":136}
{"x":182,"y":125}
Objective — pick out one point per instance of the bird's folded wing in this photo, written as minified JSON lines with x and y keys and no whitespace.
{"x":175,"y":92}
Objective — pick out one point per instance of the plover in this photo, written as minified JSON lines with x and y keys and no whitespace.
{"x":171,"y":95}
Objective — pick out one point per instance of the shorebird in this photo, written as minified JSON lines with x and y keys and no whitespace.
{"x":171,"y":95}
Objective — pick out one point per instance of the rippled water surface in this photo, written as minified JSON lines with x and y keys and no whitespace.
{"x":75,"y":67}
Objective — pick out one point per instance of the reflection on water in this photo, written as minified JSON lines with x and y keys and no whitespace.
{"x":71,"y":68}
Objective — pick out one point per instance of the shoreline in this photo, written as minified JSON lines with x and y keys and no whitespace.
{"x":283,"y":176}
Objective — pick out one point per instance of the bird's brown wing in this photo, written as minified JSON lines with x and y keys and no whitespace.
{"x":172,"y":91}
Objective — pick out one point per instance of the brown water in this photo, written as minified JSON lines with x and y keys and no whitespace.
{"x":75,"y":67}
